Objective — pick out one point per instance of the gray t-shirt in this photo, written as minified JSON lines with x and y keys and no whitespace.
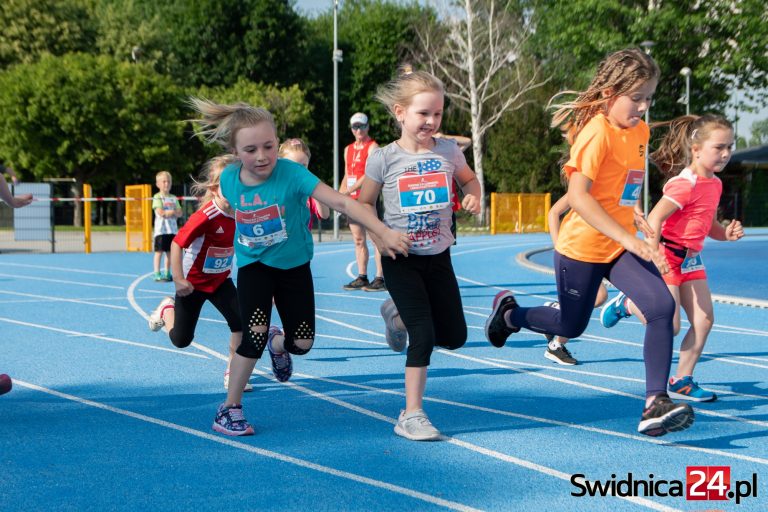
{"x":417,"y":191}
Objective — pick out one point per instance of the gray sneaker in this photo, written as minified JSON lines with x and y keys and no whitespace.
{"x":416,"y":427}
{"x":396,"y":338}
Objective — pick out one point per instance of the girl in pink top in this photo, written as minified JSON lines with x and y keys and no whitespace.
{"x":694,"y":150}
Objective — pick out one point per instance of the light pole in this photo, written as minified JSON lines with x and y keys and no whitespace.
{"x":646,"y":45}
{"x":337,"y":57}
{"x":686,"y":72}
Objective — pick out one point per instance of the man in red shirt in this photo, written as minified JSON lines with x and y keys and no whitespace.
{"x":355,"y":157}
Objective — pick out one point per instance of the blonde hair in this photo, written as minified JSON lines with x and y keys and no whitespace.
{"x":674,"y":152}
{"x":295,"y":144}
{"x":210,"y":177}
{"x":401,"y":90}
{"x":620,"y":73}
{"x":164,"y":174}
{"x":220,"y":123}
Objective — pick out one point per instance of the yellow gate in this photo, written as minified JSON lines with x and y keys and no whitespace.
{"x":138,"y":218}
{"x":519,"y":213}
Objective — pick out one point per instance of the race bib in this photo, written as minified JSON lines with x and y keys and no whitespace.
{"x":424,"y":192}
{"x":632,"y":187}
{"x":218,"y":260}
{"x":260,"y":228}
{"x":692,"y":262}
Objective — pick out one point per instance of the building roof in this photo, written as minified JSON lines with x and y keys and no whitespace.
{"x":756,"y":156}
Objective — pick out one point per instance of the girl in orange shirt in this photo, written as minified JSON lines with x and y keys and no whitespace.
{"x":598,"y":239}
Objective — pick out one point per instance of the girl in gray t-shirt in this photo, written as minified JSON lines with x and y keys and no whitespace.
{"x":414,"y":174}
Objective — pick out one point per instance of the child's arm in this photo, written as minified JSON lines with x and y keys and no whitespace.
{"x":322,"y":211}
{"x":661,"y":212}
{"x":13,"y":201}
{"x":553,"y":217}
{"x":731,"y":233}
{"x":590,"y":210}
{"x":390,"y":242}
{"x":183,"y":287}
{"x":467,"y":180}
{"x":640,"y":222}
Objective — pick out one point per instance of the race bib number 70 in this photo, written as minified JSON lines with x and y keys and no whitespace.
{"x":424,"y":192}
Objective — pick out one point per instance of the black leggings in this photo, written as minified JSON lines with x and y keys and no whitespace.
{"x":426,"y":294}
{"x":294,"y":296}
{"x":187,"y":312}
{"x":577,"y":284}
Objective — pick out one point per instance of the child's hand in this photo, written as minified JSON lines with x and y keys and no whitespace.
{"x":642,"y":225}
{"x":734,"y":231}
{"x":183,"y":287}
{"x":394,"y":242}
{"x":471,"y":204}
{"x":661,"y":261}
{"x":25,"y":199}
{"x":639,"y":248}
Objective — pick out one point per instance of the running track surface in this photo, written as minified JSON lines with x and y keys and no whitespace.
{"x":106,"y":415}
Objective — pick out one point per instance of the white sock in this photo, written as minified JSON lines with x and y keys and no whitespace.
{"x":554,"y":345}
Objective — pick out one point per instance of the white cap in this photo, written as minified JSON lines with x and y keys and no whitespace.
{"x":358,"y":118}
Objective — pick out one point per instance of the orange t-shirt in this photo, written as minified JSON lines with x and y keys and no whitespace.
{"x":605,"y":154}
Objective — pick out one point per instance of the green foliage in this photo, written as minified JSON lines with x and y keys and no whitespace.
{"x":293,"y":115}
{"x":93,"y":118}
{"x":759,"y":130}
{"x":31,"y":28}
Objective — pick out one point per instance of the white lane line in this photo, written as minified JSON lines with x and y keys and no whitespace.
{"x":553,"y":368}
{"x":62,"y":281}
{"x":451,"y":440}
{"x":103,"y":338}
{"x":68,"y":270}
{"x":492,"y":248}
{"x":452,"y":505}
{"x":537,"y":374}
{"x":515,"y":291}
{"x":740,"y":360}
{"x":49,"y":298}
{"x":349,"y":313}
{"x":355,"y":296}
{"x":546,"y":421}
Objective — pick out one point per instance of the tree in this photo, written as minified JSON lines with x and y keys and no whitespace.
{"x":759,"y":131}
{"x":293,"y":115}
{"x":479,"y":51}
{"x":31,"y":28}
{"x":94,"y":119}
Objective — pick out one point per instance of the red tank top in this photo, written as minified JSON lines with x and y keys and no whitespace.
{"x":356,"y":159}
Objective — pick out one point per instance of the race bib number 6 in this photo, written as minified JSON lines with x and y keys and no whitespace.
{"x":424,"y":192}
{"x":260,"y":228}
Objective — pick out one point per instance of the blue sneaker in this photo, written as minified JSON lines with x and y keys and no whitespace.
{"x":687,"y":389}
{"x":231,"y":422}
{"x":614,"y":310}
{"x":282,"y":366}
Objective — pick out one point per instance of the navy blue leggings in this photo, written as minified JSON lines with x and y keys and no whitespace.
{"x":577,"y":285}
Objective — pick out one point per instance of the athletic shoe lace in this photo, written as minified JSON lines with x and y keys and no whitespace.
{"x":236,"y":415}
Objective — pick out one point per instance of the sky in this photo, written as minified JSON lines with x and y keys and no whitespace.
{"x":743,"y":124}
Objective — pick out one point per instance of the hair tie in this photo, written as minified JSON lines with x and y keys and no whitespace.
{"x":693,"y":133}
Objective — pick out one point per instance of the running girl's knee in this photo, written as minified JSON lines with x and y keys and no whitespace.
{"x":663,"y":305}
{"x":302,"y":340}
{"x":255,"y":336}
{"x":180,"y":340}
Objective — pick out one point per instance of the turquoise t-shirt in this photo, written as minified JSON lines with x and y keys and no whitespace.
{"x":271,"y":217}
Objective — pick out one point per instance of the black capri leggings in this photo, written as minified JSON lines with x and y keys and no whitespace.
{"x":294,"y":296}
{"x":426,"y":294}
{"x":188,"y":308}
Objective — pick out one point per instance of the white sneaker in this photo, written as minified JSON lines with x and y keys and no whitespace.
{"x":247,"y":388}
{"x":416,"y":426}
{"x":396,"y":338}
{"x":156,"y":321}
